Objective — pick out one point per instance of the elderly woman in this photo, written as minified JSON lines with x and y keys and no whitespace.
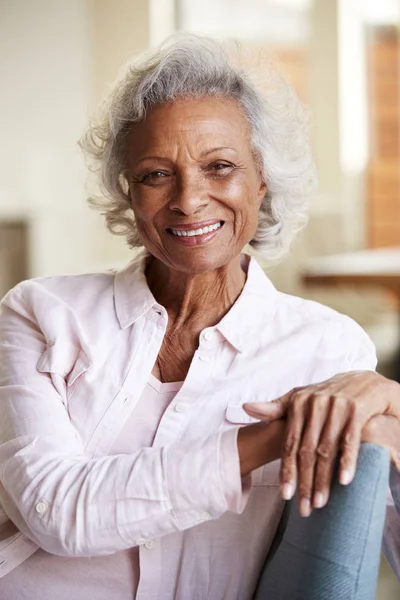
{"x":138,"y":455}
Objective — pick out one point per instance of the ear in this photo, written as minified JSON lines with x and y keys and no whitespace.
{"x":261,"y":191}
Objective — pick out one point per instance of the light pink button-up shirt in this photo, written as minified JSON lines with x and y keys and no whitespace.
{"x":76,"y":354}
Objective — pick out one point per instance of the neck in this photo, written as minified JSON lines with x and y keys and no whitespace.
{"x":202,"y":298}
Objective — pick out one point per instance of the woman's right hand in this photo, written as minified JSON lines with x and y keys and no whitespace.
{"x":384,"y":430}
{"x":262,"y":442}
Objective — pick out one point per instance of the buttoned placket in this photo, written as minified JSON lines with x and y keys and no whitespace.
{"x":152,"y":330}
{"x":170,"y":429}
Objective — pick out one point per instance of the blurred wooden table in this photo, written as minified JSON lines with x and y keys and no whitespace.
{"x":377,"y":268}
{"x":380,"y":267}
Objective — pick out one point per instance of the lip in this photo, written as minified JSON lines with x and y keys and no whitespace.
{"x":199,"y":225}
{"x":196,"y":240}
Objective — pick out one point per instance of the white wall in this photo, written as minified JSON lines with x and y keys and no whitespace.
{"x":119,"y":30}
{"x":45,"y":74}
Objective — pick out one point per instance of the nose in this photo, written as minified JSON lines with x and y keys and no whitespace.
{"x":190,"y":195}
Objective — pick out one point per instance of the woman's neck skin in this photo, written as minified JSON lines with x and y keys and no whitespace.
{"x":195,"y":301}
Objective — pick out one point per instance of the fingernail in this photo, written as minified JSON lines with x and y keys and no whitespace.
{"x":254,"y":407}
{"x":345,"y":477}
{"x":305,"y":508}
{"x":319,"y":500}
{"x":287,"y":491}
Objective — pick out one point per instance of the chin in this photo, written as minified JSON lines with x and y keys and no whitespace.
{"x":200,"y":264}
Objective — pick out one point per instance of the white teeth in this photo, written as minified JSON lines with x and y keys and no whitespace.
{"x":193,"y":232}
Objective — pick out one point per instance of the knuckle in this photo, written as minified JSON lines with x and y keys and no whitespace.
{"x":338,"y":400}
{"x":306,"y":456}
{"x":290,"y":445}
{"x":325,"y":450}
{"x":350,"y":440}
{"x":302,"y":394}
{"x":295,"y":391}
{"x":318,"y":401}
{"x":298,"y":403}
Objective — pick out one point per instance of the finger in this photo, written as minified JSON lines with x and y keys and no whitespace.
{"x":328,"y":447}
{"x":276,"y":409}
{"x":350,"y":447}
{"x":295,"y":422}
{"x":395,"y":458}
{"x":307,"y":456}
{"x":392,"y":391}
{"x":327,"y":453}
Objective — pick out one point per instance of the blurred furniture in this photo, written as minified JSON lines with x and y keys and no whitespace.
{"x":333,"y":554}
{"x":13,"y":254}
{"x":383,"y":169}
{"x":380,"y":267}
{"x":368,"y":268}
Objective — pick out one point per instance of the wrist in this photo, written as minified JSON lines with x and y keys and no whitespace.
{"x":259,"y":444}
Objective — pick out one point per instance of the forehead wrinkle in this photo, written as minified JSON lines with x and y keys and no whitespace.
{"x":199,"y":133}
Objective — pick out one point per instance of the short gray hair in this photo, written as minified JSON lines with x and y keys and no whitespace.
{"x":193,"y":67}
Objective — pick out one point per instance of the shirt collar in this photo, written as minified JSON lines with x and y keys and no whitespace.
{"x":132,"y":295}
{"x":253,"y":310}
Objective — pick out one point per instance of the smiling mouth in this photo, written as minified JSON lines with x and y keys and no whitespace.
{"x":195,"y":232}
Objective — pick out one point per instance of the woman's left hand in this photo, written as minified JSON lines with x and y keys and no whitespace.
{"x":322,"y":420}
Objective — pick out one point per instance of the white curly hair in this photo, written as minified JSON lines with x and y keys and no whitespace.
{"x":193,"y":67}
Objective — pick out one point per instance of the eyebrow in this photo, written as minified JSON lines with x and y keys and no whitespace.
{"x":202,"y":155}
{"x":150,"y":158}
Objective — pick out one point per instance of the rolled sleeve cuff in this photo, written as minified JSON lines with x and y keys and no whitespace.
{"x":203,"y":478}
{"x":236,"y":489}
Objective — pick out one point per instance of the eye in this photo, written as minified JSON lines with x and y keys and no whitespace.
{"x":153,"y":177}
{"x":220,"y":168}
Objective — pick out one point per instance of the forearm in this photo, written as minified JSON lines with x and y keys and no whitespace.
{"x":260,"y":444}
{"x":75,"y":506}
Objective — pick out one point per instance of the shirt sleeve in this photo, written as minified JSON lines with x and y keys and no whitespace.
{"x":363,"y":357}
{"x":362,"y":354}
{"x":71,"y":504}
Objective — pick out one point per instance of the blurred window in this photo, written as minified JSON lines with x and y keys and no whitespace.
{"x":264,"y":28}
{"x":382,"y":26}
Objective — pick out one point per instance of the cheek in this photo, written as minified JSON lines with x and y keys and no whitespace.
{"x":143,"y":208}
{"x":249,"y":205}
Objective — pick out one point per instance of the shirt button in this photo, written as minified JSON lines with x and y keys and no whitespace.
{"x":204,"y":358}
{"x":208,"y":335}
{"x":140,"y":541}
{"x":180,"y":407}
{"x":41,"y":508}
{"x":205,"y":516}
{"x":149,"y":544}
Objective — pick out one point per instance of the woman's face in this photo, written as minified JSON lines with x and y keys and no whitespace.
{"x":194,"y":185}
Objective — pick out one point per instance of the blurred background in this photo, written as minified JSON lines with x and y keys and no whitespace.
{"x":58,"y":58}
